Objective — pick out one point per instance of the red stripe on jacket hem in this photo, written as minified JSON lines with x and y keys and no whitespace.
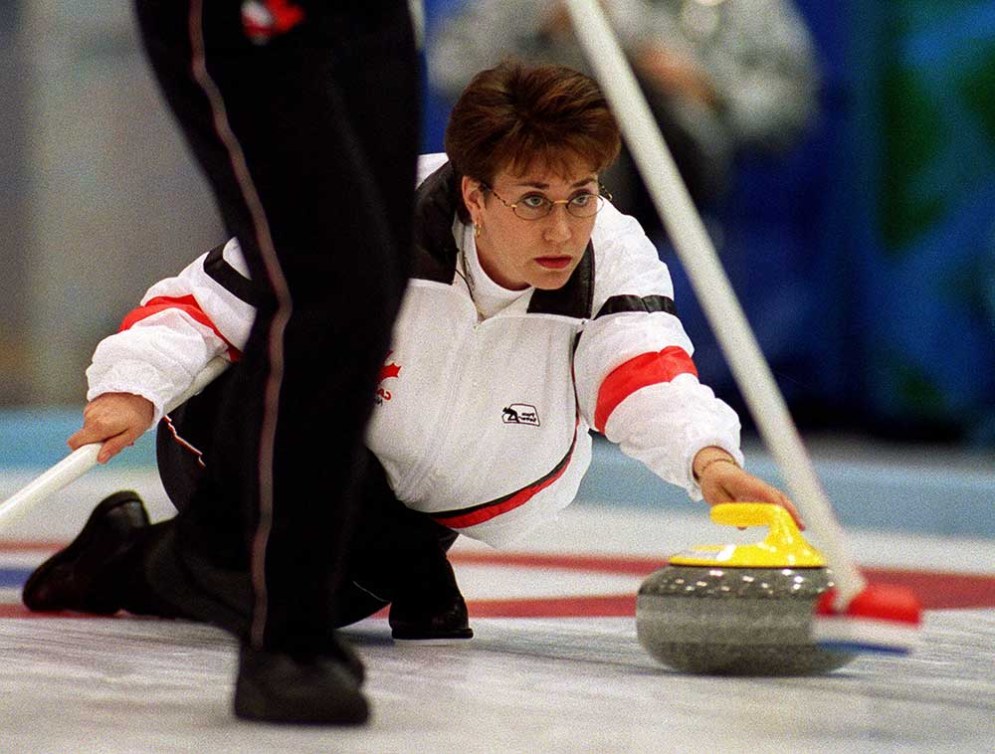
{"x":186,"y":304}
{"x":645,"y":369}
{"x":493,"y":509}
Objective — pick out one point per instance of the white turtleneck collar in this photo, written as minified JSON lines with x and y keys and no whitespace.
{"x":488,"y":296}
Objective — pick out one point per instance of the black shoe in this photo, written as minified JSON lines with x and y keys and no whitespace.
{"x":410,"y":620}
{"x":86,"y":576}
{"x":344,"y":652}
{"x":428,"y":605}
{"x":278,"y":687}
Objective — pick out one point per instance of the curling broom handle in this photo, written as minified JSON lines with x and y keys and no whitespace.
{"x":84,"y":458}
{"x":712,"y":287}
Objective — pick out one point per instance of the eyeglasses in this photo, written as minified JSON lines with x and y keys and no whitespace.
{"x":537,"y":206}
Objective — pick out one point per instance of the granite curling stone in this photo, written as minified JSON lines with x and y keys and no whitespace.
{"x":739,"y":609}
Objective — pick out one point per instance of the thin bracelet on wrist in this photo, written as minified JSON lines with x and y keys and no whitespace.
{"x":720,"y":459}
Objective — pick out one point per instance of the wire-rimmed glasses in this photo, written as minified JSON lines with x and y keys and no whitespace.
{"x":536,"y":206}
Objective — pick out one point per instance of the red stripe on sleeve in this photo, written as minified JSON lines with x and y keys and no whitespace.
{"x":645,"y":369}
{"x":186,"y":304}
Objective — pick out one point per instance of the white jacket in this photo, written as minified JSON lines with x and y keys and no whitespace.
{"x":485,"y":402}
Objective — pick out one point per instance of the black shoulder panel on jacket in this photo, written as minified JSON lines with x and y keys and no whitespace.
{"x":648,"y":304}
{"x":435,"y":208}
{"x":228,"y":277}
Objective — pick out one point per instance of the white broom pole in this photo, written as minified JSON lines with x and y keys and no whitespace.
{"x":715,"y":294}
{"x":84,"y":458}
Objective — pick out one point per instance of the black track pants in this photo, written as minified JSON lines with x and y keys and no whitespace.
{"x":309,"y":141}
{"x":395,"y":552}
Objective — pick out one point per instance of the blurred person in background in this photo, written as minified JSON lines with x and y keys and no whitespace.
{"x":722,"y":77}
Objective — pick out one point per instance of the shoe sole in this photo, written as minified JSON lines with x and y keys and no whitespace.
{"x":253,"y":708}
{"x":456,"y":636}
{"x":447,"y":641}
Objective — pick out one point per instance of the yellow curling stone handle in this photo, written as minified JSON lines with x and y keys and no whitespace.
{"x":784,"y":546}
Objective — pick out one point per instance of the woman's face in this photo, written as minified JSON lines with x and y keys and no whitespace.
{"x":518,"y":253}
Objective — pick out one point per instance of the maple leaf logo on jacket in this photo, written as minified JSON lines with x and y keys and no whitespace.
{"x":389,"y":370}
{"x":265,"y":19}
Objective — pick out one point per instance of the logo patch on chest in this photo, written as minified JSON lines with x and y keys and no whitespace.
{"x":520,"y":413}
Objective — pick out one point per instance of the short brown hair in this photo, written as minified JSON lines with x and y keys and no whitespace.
{"x":515,"y":116}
